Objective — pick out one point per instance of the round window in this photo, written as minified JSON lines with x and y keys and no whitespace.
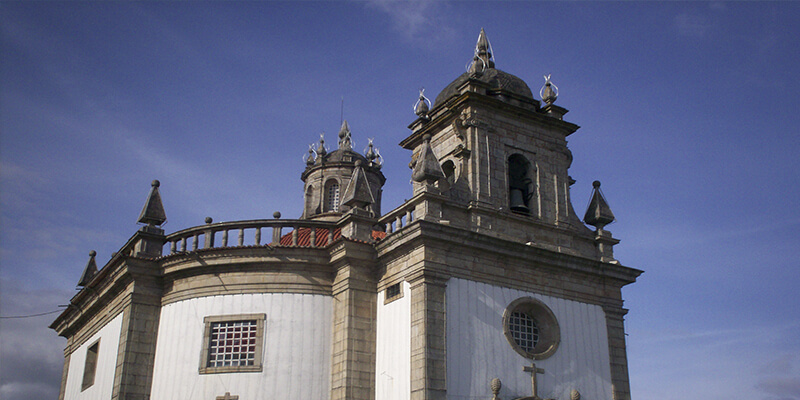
{"x":531,"y":328}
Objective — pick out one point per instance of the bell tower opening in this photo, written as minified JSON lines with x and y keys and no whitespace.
{"x":520,"y":184}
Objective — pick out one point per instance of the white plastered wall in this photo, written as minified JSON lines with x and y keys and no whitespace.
{"x":106,"y":364}
{"x":477,"y":349}
{"x":296,"y":350}
{"x":393,"y":347}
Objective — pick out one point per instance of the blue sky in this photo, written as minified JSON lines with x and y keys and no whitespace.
{"x":689,"y":115}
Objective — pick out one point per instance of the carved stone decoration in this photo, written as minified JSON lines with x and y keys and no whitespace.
{"x":496,"y":385}
{"x":575,"y":394}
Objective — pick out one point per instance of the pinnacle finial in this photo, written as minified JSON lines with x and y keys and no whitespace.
{"x":89,"y":271}
{"x":311,"y":157}
{"x":483,"y":58}
{"x":598,"y":214}
{"x":321,"y":150}
{"x":548,"y":92}
{"x":345,"y":140}
{"x":153,"y":212}
{"x":423,"y":105}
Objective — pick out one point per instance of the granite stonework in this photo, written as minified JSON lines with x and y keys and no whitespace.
{"x":471,"y":217}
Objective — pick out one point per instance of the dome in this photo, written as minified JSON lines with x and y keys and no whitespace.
{"x":495,"y":78}
{"x":342,"y":155}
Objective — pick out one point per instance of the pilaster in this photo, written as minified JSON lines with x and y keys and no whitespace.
{"x":64,"y":374}
{"x":354,"y":333}
{"x":428,"y":337}
{"x":137,"y":346}
{"x":617,"y":352}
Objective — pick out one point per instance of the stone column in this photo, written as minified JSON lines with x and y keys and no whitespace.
{"x":354,"y":333}
{"x":428,"y":341}
{"x":617,"y":352}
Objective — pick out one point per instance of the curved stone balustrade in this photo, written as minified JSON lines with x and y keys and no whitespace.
{"x":303,"y":233}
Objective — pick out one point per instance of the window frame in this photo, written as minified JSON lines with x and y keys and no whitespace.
{"x":386,"y":295}
{"x":258,"y":363}
{"x":332,"y":204}
{"x":549,"y":333}
{"x":90,"y":365}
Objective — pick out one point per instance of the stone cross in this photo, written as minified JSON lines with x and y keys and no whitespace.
{"x":534,"y":371}
{"x":227,"y":397}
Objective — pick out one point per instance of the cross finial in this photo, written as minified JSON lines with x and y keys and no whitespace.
{"x":227,"y":396}
{"x":534,"y":371}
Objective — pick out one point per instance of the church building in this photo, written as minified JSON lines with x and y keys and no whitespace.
{"x":484,"y":284}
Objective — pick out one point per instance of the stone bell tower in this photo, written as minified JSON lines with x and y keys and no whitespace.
{"x":506,"y":283}
{"x":336,"y":181}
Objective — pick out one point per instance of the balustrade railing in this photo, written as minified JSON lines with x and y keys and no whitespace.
{"x":398,"y":218}
{"x":249,"y":233}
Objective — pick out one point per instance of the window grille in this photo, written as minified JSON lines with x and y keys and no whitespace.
{"x":524,"y":331}
{"x":232,"y":344}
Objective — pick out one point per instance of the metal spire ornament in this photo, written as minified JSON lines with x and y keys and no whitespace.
{"x":548,"y":92}
{"x":423,"y":105}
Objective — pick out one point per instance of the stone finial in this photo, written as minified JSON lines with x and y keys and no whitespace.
{"x":89,"y":271}
{"x":209,"y":220}
{"x":345,"y":140}
{"x":483,"y":49}
{"x":422,"y":106}
{"x":311,"y":157}
{"x":427,"y":168}
{"x":496,"y":385}
{"x":321,"y":150}
{"x":548,"y":92}
{"x":153,"y":212}
{"x":276,"y":215}
{"x":482,"y":59}
{"x":358,"y":193}
{"x":598,"y":214}
{"x":575,"y":394}
{"x":371,"y":154}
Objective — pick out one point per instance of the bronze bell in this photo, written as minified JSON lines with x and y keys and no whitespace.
{"x":518,"y":201}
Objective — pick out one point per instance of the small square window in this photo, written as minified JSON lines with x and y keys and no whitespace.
{"x":90,"y":365}
{"x":393,"y":292}
{"x":232,"y":343}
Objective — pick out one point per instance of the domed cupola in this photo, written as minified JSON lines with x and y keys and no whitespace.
{"x":329,"y":175}
{"x":496,"y":83}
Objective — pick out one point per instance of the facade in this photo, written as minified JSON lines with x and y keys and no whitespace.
{"x":485,"y":284}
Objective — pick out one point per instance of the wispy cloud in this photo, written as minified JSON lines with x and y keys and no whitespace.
{"x":422,"y":22}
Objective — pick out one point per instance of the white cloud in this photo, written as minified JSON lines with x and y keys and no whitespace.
{"x":418,"y":21}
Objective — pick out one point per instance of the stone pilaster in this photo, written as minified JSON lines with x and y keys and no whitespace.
{"x":64,"y":374}
{"x":137,"y":346}
{"x":617,"y":352}
{"x":428,"y":341}
{"x":354,"y":333}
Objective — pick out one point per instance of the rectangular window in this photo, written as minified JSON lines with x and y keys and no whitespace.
{"x":393,"y":292}
{"x":90,"y":366}
{"x":232,"y":343}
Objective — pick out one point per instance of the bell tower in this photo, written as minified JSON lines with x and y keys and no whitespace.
{"x":503,"y":281}
{"x":502,"y":152}
{"x":337,"y":181}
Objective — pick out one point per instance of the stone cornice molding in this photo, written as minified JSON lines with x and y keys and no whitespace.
{"x":444,"y":115}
